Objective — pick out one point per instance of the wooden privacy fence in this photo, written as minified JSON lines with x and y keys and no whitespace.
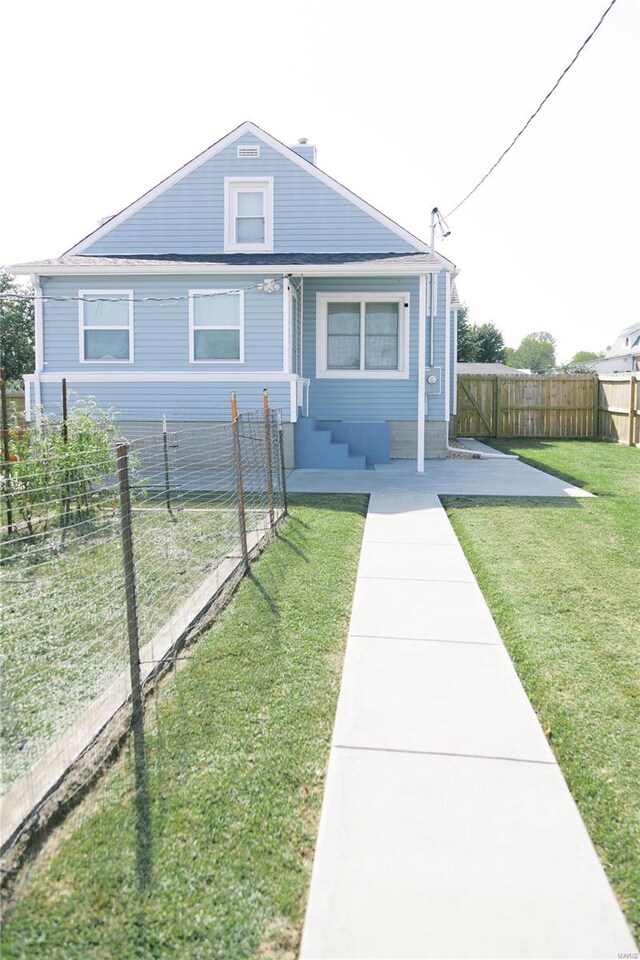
{"x":618,"y":403}
{"x":578,"y":406}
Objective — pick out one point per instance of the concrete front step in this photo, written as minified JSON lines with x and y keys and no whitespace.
{"x":316,"y":449}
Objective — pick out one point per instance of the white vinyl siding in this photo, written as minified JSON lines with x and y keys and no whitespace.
{"x":105,"y":326}
{"x":362,"y":335}
{"x":248,"y":215}
{"x":216,"y":326}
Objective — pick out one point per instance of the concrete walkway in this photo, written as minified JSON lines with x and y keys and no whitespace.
{"x":447,"y":829}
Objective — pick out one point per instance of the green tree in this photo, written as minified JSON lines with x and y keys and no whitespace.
{"x":581,"y":362}
{"x":509,"y":356}
{"x":537,"y":352}
{"x":488,"y":342}
{"x":583,"y":356}
{"x":17,"y":338}
{"x":465,"y":343}
{"x":478,"y":343}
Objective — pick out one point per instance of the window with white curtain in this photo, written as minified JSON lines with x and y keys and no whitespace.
{"x":362,"y":335}
{"x":106,"y":326}
{"x":248,"y":214}
{"x":216,"y":326}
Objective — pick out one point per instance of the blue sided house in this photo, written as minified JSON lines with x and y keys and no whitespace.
{"x":250,"y":268}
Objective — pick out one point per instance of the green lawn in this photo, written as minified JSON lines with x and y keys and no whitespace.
{"x":562,"y":579}
{"x":64,"y":624}
{"x":237,"y":745}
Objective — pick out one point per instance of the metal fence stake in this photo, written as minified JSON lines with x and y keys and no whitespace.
{"x":6,"y":466}
{"x":268,"y":455}
{"x":65,"y":411}
{"x":66,"y":498}
{"x":142,"y":805}
{"x":283,"y":477}
{"x":165,"y":450}
{"x":237,"y":463}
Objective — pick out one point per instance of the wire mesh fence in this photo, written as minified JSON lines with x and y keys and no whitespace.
{"x":111,"y":552}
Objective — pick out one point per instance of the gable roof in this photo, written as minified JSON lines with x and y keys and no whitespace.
{"x":255,"y":131}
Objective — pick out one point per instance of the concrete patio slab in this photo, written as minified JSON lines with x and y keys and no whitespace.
{"x":476,"y":446}
{"x":422,"y":610}
{"x":501,"y":477}
{"x":457,"y":698}
{"x":424,"y":856}
{"x":417,"y":561}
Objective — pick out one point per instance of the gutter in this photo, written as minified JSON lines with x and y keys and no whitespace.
{"x":194,"y":269}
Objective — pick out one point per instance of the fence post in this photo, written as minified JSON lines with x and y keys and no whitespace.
{"x":267,"y":453}
{"x":237,"y":462}
{"x":142,"y":808}
{"x":498,"y":407}
{"x":6,"y":466}
{"x":65,"y":411}
{"x":66,"y":499}
{"x":596,"y":407}
{"x":633,"y":409}
{"x":165,"y":450}
{"x":282,"y":469}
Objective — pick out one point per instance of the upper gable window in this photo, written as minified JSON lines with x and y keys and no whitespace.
{"x":106,"y":326}
{"x":248,"y":218}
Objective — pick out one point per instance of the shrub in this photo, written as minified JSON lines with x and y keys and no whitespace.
{"x":53,"y":480}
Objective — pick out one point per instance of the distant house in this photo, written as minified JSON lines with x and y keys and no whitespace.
{"x":623,"y":355}
{"x":491,"y":369}
{"x":249,"y":267}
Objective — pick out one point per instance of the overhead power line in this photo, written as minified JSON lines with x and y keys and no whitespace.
{"x":535,"y":113}
{"x":268,"y":285}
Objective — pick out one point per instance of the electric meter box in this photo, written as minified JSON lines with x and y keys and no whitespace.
{"x":433,"y":381}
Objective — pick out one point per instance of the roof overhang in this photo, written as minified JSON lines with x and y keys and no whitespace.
{"x":44,"y":269}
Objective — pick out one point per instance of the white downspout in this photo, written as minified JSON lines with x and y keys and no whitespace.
{"x":455,"y":362}
{"x":447,"y":349}
{"x":422,"y":396}
{"x":433,"y":313}
{"x":38,"y":307}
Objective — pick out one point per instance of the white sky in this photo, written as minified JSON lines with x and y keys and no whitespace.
{"x":409,"y":103}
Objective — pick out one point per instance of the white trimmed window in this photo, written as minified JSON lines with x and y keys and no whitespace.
{"x":362,"y":335}
{"x":216,"y":326}
{"x":106,"y":326}
{"x":248,"y":218}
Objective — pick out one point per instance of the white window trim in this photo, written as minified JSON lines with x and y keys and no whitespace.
{"x":231,"y":187}
{"x":322,"y":301}
{"x":94,"y":294}
{"x":193,"y":327}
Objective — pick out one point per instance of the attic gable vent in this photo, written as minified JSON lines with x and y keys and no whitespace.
{"x":248,"y":150}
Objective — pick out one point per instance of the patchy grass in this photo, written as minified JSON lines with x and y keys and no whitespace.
{"x":237,"y":744}
{"x":64,"y":616}
{"x":561,"y":578}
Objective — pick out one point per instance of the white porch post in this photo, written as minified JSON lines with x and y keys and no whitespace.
{"x":286,"y":326}
{"x":422,"y":341}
